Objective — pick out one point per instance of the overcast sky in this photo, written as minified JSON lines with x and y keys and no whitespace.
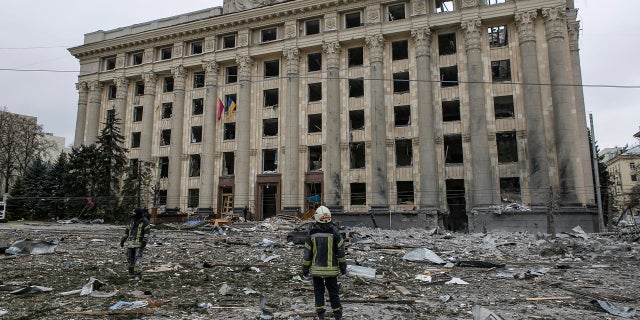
{"x":35,"y":34}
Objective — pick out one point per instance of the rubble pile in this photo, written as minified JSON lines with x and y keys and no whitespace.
{"x":248,"y":270}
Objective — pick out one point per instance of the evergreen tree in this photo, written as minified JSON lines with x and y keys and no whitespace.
{"x":112,"y":164}
{"x":17,"y":199}
{"x":59,"y":184}
{"x":82,"y":180}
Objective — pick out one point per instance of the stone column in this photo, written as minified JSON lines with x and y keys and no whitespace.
{"x":331,"y":162}
{"x":483,"y":192}
{"x":93,"y":112}
{"x":538,"y":164}
{"x":209,"y":135}
{"x":291,"y":195}
{"x":122,"y":86}
{"x":243,"y":137}
{"x":574,"y":50}
{"x":563,"y":110}
{"x":81,"y":117}
{"x":379,"y":179}
{"x":148,"y":110}
{"x":429,"y":193}
{"x":174,"y":194}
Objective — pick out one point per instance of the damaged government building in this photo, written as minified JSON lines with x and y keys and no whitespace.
{"x":414,"y":113}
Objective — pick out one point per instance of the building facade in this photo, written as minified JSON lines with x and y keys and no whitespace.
{"x":415,"y":108}
{"x":624,"y":170}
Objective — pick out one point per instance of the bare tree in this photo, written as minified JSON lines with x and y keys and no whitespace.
{"x":21,"y":141}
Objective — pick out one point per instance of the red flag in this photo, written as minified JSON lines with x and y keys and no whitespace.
{"x":220,"y":108}
{"x":90,"y":202}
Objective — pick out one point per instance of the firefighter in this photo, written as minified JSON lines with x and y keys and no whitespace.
{"x":135,"y":239}
{"x":324,"y":259}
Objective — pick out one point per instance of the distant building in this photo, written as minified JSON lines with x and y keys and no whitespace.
{"x":418,"y":110}
{"x":624,"y":171}
{"x":58,"y":147}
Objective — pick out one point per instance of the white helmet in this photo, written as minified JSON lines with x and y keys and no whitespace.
{"x":322,"y":215}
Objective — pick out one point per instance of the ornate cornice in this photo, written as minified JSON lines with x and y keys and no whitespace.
{"x":422,"y":38}
{"x":244,"y":68}
{"x":574,"y":35}
{"x":472,"y":33}
{"x":179,"y":75}
{"x":332,"y":49}
{"x":525,"y":24}
{"x":211,"y":73}
{"x":375,"y":43}
{"x":292,"y":55}
{"x":554,"y":21}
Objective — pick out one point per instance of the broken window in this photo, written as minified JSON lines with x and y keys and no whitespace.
{"x":165,"y":137}
{"x":162,"y":197}
{"x":111,"y":115}
{"x":503,"y":107}
{"x":314,"y":62}
{"x":271,"y":68}
{"x":270,"y":160}
{"x":167,"y":84}
{"x":356,"y":119}
{"x":453,"y":148}
{"x":228,"y":160}
{"x":405,"y":192}
{"x":444,"y":6}
{"x":355,"y":56}
{"x":194,"y":198}
{"x":402,"y":115}
{"x":404,"y":153}
{"x":271,"y":98}
{"x":270,"y":127}
{"x":163,"y":167}
{"x":139,"y":89}
{"x":497,"y":36}
{"x":356,"y":152}
{"x":400,"y":50}
{"x":269,"y":34}
{"x":196,"y":134}
{"x":356,"y":87}
{"x":507,"y":147}
{"x":451,"y":110}
{"x":198,"y":79}
{"x":109,"y":63}
{"x":315,"y":91}
{"x":231,"y":75}
{"x":167,"y":110}
{"x":137,"y":113}
{"x":490,"y":2}
{"x":136,"y":58}
{"x":112,"y":92}
{"x":165,"y":53}
{"x":229,"y":41}
{"x":352,"y":20}
{"x":194,"y":165}
{"x":449,"y":76}
{"x":315,"y":123}
{"x":501,"y":70}
{"x":358,"y":194}
{"x":634,"y":177}
{"x":229,"y":131}
{"x":197,"y":106}
{"x":396,"y":12}
{"x":195,"y":47}
{"x":315,"y":158}
{"x":312,"y":26}
{"x":510,"y":189}
{"x":134,"y":167}
{"x":401,"y":82}
{"x":447,"y":44}
{"x":135,"y":140}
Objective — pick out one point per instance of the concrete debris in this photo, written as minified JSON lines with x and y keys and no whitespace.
{"x":615,"y":308}
{"x":455,"y":280}
{"x":225,"y":290}
{"x":482,"y":313}
{"x":359,"y":271}
{"x":126,"y":305}
{"x":423,"y":254}
{"x":31,"y":290}
{"x":27,"y":246}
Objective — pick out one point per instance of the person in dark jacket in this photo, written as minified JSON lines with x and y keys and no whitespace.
{"x":135,"y":239}
{"x":324,"y":259}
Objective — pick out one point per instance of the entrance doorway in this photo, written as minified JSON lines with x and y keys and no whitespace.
{"x":268,"y":200}
{"x":457,"y":218}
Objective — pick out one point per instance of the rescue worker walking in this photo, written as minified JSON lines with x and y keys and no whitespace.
{"x":324,"y":259}
{"x":135,"y":238}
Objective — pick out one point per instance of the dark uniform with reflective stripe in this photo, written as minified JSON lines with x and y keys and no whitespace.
{"x":324,"y":259}
{"x":136,"y":237}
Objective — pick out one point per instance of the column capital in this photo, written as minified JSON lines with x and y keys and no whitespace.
{"x":122,"y":84}
{"x":95,"y":89}
{"x":292,"y":55}
{"x":554,"y":21}
{"x":82,"y":86}
{"x":332,"y":49}
{"x":422,"y":38}
{"x":149,"y":79}
{"x":211,"y":73}
{"x":472,"y":33}
{"x":179,"y":75}
{"x":244,"y":64}
{"x":574,"y":35}
{"x":375,"y":43}
{"x":525,"y":24}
